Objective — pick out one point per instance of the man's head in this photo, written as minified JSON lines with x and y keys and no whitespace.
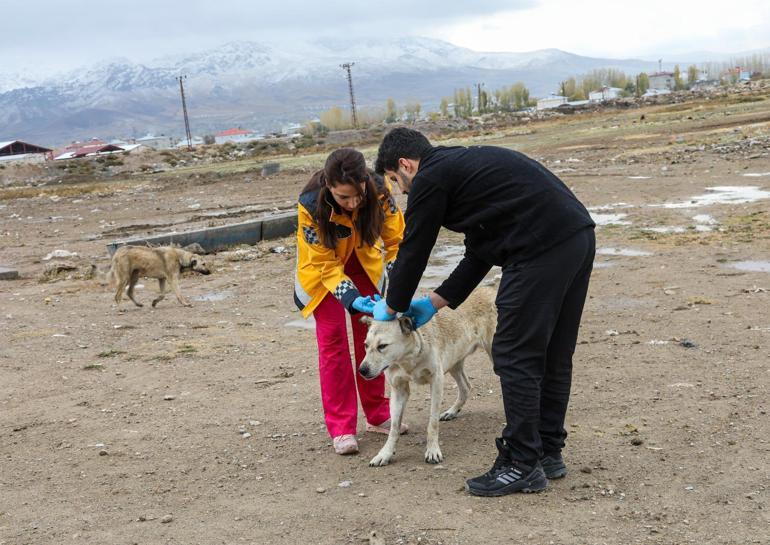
{"x":399,"y":155}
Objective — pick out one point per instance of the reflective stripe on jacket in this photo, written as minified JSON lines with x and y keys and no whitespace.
{"x":321,"y":270}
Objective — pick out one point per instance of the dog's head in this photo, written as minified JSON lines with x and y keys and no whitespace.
{"x":195,"y":262}
{"x":387,"y":344}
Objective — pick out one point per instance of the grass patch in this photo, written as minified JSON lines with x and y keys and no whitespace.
{"x":93,"y":367}
{"x":186,"y":349}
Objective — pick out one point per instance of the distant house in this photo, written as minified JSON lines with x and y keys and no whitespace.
{"x":196,"y":141}
{"x":16,"y":150}
{"x":604,"y":94}
{"x":551,"y":101}
{"x":661,"y":80}
{"x":156,"y":142}
{"x":236,"y":136}
{"x":89,"y":150}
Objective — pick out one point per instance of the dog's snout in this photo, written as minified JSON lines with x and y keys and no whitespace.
{"x":364,"y":370}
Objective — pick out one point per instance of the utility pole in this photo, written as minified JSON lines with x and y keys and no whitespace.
{"x":660,"y":65}
{"x":184,"y":111}
{"x":346,"y":67}
{"x":478,"y":87}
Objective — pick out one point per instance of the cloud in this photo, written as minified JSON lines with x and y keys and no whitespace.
{"x":77,"y":32}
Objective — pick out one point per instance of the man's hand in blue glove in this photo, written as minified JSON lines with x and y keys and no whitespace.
{"x":380,"y":311}
{"x":363,"y":304}
{"x":421,"y":311}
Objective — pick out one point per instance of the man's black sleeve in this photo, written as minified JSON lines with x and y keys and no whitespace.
{"x":464,"y":279}
{"x":425,"y":210}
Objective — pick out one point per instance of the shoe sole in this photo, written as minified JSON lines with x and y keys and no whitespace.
{"x":531,"y":488}
{"x":556,"y":474}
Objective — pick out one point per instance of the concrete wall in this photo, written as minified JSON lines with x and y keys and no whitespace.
{"x":214,"y":239}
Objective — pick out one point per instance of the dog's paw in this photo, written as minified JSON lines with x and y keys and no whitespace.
{"x":433,"y":455}
{"x":382,"y":459}
{"x":449,"y":414}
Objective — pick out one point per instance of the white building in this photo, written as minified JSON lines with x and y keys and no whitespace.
{"x":604,"y":94}
{"x":156,"y":142}
{"x":661,"y":80}
{"x":552,"y":101}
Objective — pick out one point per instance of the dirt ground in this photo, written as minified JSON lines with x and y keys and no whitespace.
{"x":203,"y":425}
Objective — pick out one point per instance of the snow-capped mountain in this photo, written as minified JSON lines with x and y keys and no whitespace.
{"x":261,"y":86}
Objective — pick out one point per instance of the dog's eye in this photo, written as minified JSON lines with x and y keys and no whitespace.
{"x":381,"y":347}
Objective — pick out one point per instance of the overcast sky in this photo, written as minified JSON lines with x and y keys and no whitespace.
{"x":51,"y":35}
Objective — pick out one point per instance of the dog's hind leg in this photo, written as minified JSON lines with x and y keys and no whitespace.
{"x":161,"y":291}
{"x":433,"y":451}
{"x":131,"y":284}
{"x":398,"y":398}
{"x":120,"y":288}
{"x":463,"y":388}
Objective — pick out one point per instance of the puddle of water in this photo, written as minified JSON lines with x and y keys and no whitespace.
{"x":704,"y":219}
{"x":623,"y":251}
{"x":609,"y":219}
{"x":639,"y":177}
{"x":751,"y":266}
{"x":442,"y":262}
{"x":604,"y":264}
{"x":721,"y":195}
{"x":301,"y":323}
{"x":213,"y":296}
{"x":665,"y":229}
{"x":612,"y":206}
{"x":756,"y":174}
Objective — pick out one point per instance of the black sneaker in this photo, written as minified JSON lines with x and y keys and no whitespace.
{"x":553,"y":466}
{"x":507,"y":476}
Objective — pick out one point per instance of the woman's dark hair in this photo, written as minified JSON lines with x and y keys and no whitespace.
{"x":347,"y":166}
{"x":400,"y":142}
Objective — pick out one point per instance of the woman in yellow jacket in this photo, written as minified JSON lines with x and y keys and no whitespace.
{"x":348,"y":233}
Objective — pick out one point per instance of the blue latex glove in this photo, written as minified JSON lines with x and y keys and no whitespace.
{"x":421,"y":311}
{"x":363,"y":304}
{"x":380,"y":311}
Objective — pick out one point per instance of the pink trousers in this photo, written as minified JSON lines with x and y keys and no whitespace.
{"x":338,"y":377}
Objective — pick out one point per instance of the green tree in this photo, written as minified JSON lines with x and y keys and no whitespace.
{"x":678,"y":83}
{"x":391,"y":113}
{"x":692,"y":75}
{"x":642,"y":83}
{"x":444,"y":107}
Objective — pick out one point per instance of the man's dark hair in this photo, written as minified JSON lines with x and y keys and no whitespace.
{"x":398,"y":143}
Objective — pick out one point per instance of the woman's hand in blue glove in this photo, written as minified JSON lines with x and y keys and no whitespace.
{"x":363,"y":304}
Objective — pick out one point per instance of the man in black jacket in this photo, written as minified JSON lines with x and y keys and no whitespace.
{"x":518,"y":215}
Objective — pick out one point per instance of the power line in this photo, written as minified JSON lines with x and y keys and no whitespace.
{"x":347,"y":67}
{"x":184,"y":111}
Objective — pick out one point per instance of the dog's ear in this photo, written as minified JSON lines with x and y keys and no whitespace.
{"x":366,"y":320}
{"x":407,"y":324}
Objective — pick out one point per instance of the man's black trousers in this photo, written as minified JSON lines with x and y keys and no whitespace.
{"x":539,"y":305}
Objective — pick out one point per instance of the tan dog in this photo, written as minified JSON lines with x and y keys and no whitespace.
{"x":423,"y":356}
{"x":165,"y":263}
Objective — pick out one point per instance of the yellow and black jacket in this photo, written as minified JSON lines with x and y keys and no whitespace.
{"x":321,"y":270}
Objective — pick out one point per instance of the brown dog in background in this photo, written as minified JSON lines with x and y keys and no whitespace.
{"x":129,"y":263}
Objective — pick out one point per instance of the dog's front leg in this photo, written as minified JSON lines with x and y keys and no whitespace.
{"x":433,"y":451}
{"x":174,"y":285}
{"x":398,"y":399}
